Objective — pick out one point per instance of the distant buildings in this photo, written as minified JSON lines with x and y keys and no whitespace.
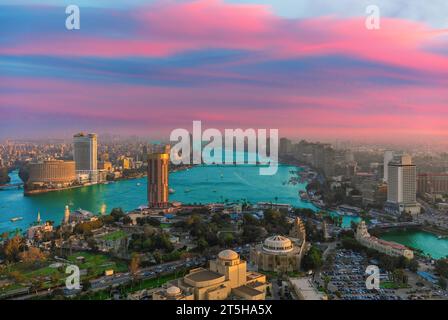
{"x":432,"y":183}
{"x":106,"y":166}
{"x":402,"y":186}
{"x":37,"y":231}
{"x":390,"y":248}
{"x":226,"y":278}
{"x":286,"y":147}
{"x":321,"y":156}
{"x":374,"y":193}
{"x":158,"y":165}
{"x":388,"y":157}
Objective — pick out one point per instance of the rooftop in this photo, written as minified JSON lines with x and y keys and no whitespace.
{"x":228,"y":255}
{"x":248,"y":290}
{"x":203,"y":275}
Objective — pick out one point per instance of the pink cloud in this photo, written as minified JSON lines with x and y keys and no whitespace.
{"x":173,"y":27}
{"x":386,"y":113}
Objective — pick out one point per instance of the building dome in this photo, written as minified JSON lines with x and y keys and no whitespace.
{"x":173,"y":291}
{"x":228,"y":255}
{"x":277,"y":244}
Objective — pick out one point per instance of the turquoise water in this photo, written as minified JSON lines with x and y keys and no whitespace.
{"x":206,"y":184}
{"x":425,"y":241}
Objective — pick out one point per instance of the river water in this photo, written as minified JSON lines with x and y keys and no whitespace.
{"x":200,"y":184}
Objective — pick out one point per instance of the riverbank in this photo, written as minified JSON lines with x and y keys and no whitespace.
{"x":435,"y":230}
{"x":41,"y":191}
{"x":123,"y":178}
{"x":198,"y":184}
{"x":422,"y":241}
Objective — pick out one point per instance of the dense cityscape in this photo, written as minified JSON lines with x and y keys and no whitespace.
{"x":352,"y":207}
{"x":223,"y":158}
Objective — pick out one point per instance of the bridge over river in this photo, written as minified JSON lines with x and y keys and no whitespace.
{"x":396,"y":225}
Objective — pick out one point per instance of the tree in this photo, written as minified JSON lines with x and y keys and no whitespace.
{"x":17,"y":276}
{"x":4,"y":236}
{"x":134,"y":265}
{"x":127,"y":220}
{"x":441,"y":267}
{"x":442,"y":283}
{"x":313,"y":259}
{"x":327,"y":280}
{"x":413,"y":265}
{"x":12,"y":248}
{"x":202,"y":244}
{"x":117,"y":214}
{"x":399,"y":277}
{"x":33,"y":255}
{"x":227,"y":238}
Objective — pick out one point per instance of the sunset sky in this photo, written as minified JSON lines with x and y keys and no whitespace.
{"x":307,"y":67}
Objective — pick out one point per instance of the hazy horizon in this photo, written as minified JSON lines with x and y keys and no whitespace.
{"x":308,"y":68}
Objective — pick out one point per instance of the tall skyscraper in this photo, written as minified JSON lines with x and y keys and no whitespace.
{"x":402,"y":185}
{"x":85,"y":151}
{"x":158,"y":163}
{"x":388,"y":157}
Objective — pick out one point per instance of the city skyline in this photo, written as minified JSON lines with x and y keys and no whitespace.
{"x":147,"y":68}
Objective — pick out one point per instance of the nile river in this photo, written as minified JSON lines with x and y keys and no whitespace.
{"x":201,"y":184}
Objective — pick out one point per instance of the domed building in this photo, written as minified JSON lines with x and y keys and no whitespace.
{"x":279,"y":253}
{"x":227,"y":276}
{"x":171,"y":293}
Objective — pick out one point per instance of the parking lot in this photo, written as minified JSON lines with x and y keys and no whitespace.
{"x":348,"y":279}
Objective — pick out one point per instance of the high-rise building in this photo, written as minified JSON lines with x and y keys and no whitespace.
{"x":402,"y":185}
{"x":388,"y":157}
{"x":158,"y":163}
{"x":285,"y":146}
{"x":85,"y":151}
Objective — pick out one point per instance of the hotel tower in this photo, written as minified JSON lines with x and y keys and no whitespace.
{"x":158,"y":163}
{"x":402,"y":186}
{"x":85,"y":154}
{"x":85,"y":151}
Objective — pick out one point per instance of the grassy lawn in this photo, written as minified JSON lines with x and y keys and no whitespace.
{"x":11,"y":287}
{"x":29,"y":272}
{"x":116,"y":235}
{"x":392,"y":285}
{"x":146,"y":284}
{"x":97,"y":263}
{"x":165,"y":225}
{"x":157,"y":282}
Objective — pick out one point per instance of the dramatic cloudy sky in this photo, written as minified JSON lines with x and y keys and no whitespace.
{"x":307,"y":67}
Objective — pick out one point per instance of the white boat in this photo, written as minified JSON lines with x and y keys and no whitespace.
{"x":16,"y":219}
{"x":171,"y":191}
